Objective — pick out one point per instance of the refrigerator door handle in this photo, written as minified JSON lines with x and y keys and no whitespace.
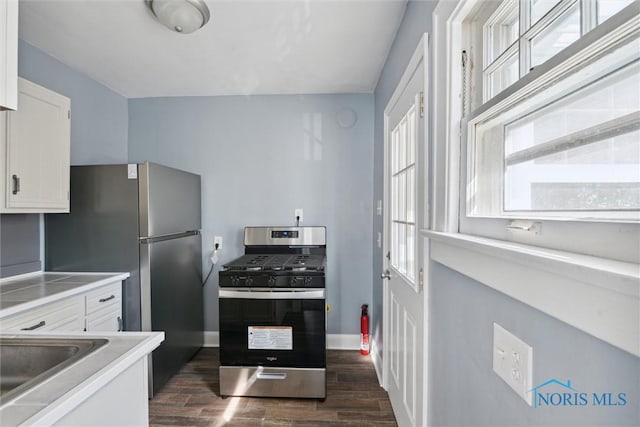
{"x":164,"y":237}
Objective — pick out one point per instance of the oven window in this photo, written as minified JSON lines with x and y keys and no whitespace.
{"x":264,"y":332}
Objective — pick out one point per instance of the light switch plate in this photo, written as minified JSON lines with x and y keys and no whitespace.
{"x":513,"y":362}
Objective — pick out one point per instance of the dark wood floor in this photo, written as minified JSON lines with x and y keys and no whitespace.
{"x":354,"y":398}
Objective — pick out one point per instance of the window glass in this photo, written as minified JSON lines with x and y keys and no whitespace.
{"x":574,"y":147}
{"x":503,"y":32}
{"x":505,"y":75}
{"x":539,"y":8}
{"x":403,"y":195}
{"x":608,"y":8}
{"x":558,"y":35}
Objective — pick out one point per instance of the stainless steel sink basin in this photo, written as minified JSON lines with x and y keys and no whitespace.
{"x":25,"y":362}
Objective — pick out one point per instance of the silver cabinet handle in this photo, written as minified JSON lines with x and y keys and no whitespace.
{"x":16,"y":184}
{"x":36,"y":326}
{"x":106,"y":299}
{"x":120,"y":326}
{"x":385,"y":275}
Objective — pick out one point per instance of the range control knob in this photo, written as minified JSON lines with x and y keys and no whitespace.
{"x":293,"y":281}
{"x":235,"y":280}
{"x":249,"y":281}
{"x":272,"y":280}
{"x":307,"y":281}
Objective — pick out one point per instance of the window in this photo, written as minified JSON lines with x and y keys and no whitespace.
{"x":520,"y":35}
{"x":557,"y":136}
{"x":403,"y":195}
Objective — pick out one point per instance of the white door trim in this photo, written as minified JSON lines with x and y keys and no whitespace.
{"x":419,"y":55}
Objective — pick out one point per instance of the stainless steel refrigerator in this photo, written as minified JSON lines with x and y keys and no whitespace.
{"x":145,"y":219}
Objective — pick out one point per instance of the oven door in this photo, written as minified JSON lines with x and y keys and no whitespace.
{"x":272,"y":327}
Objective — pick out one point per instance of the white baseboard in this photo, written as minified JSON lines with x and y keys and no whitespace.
{"x":334,"y":341}
{"x":343,"y":341}
{"x":376,"y":358}
{"x":211,"y":339}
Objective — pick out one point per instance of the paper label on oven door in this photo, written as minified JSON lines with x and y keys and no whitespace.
{"x":270,"y":338}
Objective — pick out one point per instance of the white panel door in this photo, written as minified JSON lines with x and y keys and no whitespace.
{"x":405,"y":164}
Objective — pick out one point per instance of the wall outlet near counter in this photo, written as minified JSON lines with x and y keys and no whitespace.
{"x":217,"y":240}
{"x":297,"y":214}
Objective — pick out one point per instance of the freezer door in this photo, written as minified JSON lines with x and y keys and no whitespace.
{"x":171,"y":281}
{"x":100,"y":233}
{"x":169,"y":200}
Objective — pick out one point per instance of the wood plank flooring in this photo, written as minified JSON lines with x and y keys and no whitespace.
{"x":354,"y":398}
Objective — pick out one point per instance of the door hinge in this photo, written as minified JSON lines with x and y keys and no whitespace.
{"x":421,"y":104}
{"x":421,"y":281}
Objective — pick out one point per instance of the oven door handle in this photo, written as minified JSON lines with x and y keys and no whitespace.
{"x":288,"y":294}
{"x":271,"y":376}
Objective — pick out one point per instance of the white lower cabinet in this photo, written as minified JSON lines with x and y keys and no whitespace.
{"x":121,"y":402}
{"x":96,"y":310}
{"x":65,"y":315}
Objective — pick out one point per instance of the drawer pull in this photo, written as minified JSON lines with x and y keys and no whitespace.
{"x":106,"y":299}
{"x":36,"y":326}
{"x":271,"y":376}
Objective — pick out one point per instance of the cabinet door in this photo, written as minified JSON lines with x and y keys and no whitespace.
{"x":9,"y":54}
{"x":38,"y":151}
{"x":104,"y":308}
{"x":110,"y":320}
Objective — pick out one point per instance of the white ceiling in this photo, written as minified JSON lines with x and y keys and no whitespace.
{"x":248,"y":47}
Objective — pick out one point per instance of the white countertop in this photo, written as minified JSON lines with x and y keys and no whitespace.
{"x":49,"y":401}
{"x":31,"y":290}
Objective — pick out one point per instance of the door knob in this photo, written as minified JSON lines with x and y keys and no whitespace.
{"x":385,"y":275}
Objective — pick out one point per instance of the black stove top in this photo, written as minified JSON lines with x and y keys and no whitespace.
{"x":277,"y":262}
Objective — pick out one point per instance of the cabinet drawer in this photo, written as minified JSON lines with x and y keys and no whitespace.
{"x":67,"y":315}
{"x":107,"y":296}
{"x":105,"y":320}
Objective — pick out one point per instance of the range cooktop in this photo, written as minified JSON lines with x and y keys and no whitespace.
{"x":277,"y":262}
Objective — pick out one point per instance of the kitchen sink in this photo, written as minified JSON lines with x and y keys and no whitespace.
{"x":26,"y":362}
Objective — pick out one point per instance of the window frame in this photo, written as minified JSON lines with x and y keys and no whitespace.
{"x":616,"y":239}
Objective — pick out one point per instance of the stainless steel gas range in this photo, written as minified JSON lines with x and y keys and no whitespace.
{"x":272,"y":315}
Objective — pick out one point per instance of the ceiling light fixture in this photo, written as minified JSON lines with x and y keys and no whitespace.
{"x":181,"y":16}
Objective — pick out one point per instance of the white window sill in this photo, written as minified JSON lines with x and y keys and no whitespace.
{"x":596,"y":295}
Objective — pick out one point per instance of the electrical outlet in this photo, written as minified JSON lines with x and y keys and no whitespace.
{"x":513,"y":362}
{"x":217,"y":240}
{"x":297,"y":214}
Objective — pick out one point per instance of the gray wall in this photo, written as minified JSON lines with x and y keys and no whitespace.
{"x":260,"y":158}
{"x":99,"y":117}
{"x":463,"y":389}
{"x":416,"y":21}
{"x":19,"y":244}
{"x":98,"y":135}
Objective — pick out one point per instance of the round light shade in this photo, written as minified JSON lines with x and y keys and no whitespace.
{"x":182,"y":16}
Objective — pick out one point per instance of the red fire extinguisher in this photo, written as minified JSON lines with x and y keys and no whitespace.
{"x":364,"y":330}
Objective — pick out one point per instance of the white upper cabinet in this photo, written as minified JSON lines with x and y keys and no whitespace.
{"x":8,"y":54}
{"x":35,"y":141}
